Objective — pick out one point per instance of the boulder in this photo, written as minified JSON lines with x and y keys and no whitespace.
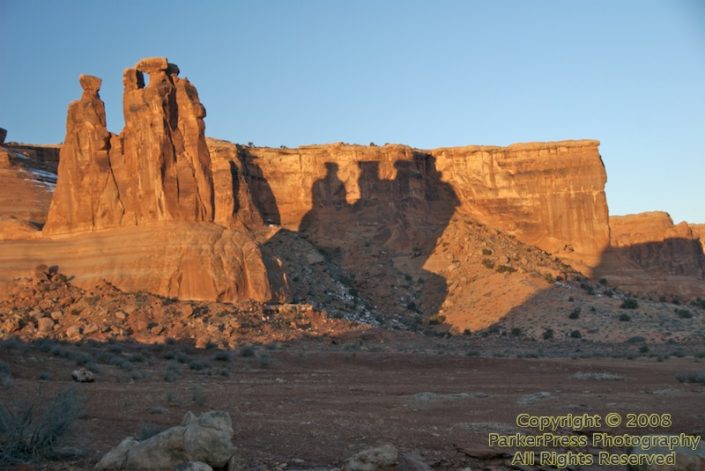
{"x":45,"y":325}
{"x":83,"y":375}
{"x":382,"y":458}
{"x":199,"y":441}
{"x":193,"y":466}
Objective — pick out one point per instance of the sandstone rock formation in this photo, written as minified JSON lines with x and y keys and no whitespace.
{"x":650,"y":254}
{"x":547,"y":194}
{"x":699,"y":232}
{"x":27,"y":179}
{"x":137,"y":208}
{"x":653,"y":242}
{"x":201,"y":261}
{"x":157,"y":169}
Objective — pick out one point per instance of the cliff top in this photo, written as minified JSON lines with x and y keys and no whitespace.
{"x":570,"y":143}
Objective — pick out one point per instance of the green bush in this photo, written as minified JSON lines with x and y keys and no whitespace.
{"x":624,"y":317}
{"x":574,"y":314}
{"x":548,"y":334}
{"x":576,"y":334}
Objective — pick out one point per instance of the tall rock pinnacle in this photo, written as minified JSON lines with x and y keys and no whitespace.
{"x":157,"y":169}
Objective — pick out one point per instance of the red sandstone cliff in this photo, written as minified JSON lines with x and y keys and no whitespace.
{"x":546,"y":194}
{"x":650,"y":254}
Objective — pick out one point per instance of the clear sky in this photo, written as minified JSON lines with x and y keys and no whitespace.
{"x":423,"y":73}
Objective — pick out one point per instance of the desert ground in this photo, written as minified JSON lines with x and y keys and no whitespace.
{"x":314,"y":402}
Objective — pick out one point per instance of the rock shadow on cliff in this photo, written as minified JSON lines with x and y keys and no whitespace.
{"x":378,"y":244}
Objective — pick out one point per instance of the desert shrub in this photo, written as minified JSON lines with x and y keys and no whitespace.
{"x":549,"y":278}
{"x":574,"y":314}
{"x":576,"y":334}
{"x":624,"y":317}
{"x":467,"y":332}
{"x":629,"y":303}
{"x":644,"y":349}
{"x":488,"y":263}
{"x":684,"y":313}
{"x":198,"y":365}
{"x":699,"y":302}
{"x":247,"y":352}
{"x":697,"y":377}
{"x":137,"y":375}
{"x":222,"y":356}
{"x":506,"y":269}
{"x":198,"y":397}
{"x":587,"y":288}
{"x":181,"y":357}
{"x":516,"y":331}
{"x":172,"y":373}
{"x":5,"y":375}
{"x":636,"y":339}
{"x":603,"y":281}
{"x":264,"y":360}
{"x":548,"y":334}
{"x":486,"y":251}
{"x":597,"y":376}
{"x":28,"y":433}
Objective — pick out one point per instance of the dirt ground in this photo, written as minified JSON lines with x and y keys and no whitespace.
{"x":313,"y":403}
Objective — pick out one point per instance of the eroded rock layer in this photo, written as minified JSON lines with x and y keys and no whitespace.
{"x":201,"y":261}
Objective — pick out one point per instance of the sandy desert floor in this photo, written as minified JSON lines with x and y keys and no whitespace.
{"x":312,"y":403}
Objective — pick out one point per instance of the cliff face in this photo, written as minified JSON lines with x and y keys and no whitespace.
{"x":653,"y":242}
{"x":157,"y":169}
{"x":550,"y":194}
{"x":27,"y":179}
{"x":699,"y":232}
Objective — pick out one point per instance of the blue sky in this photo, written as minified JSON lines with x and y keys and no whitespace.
{"x":424,"y":73}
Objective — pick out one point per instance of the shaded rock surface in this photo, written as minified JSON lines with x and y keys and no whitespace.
{"x":652,"y":255}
